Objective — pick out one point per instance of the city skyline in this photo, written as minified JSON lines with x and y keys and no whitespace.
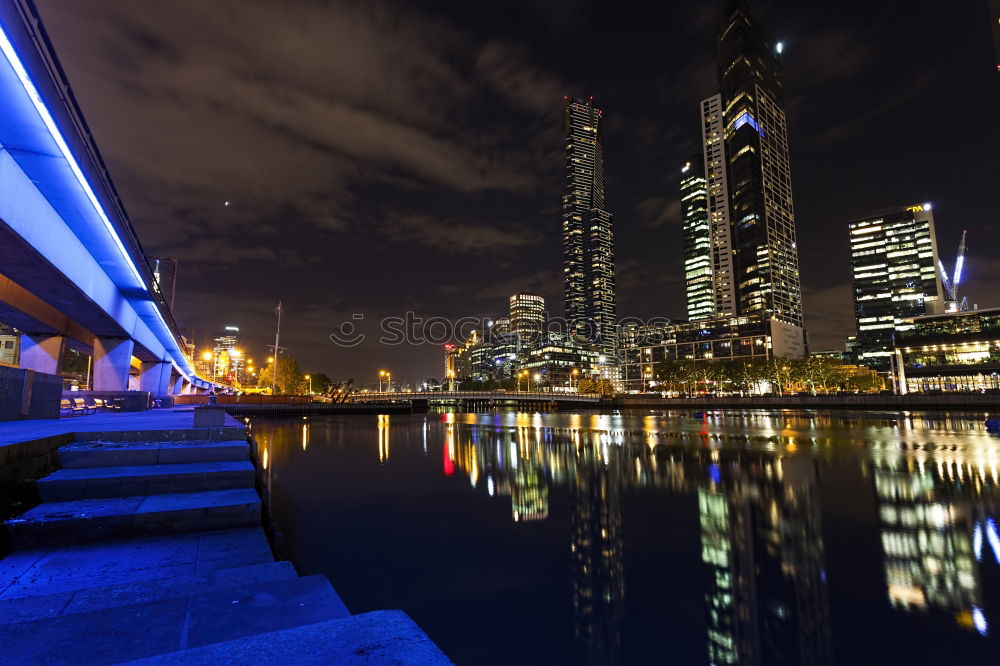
{"x":225,"y":246}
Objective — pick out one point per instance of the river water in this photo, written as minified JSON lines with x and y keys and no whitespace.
{"x":745,"y":537}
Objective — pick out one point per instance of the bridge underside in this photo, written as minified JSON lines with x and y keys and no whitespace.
{"x":72,"y":273}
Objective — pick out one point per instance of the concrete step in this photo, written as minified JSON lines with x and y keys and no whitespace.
{"x":132,"y":632}
{"x":379,"y":637}
{"x":42,"y":571}
{"x":117,"y":454}
{"x":170,"y":586}
{"x":100,"y":482}
{"x":86,"y":520}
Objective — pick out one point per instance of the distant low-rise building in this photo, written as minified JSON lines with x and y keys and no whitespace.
{"x":719,"y":338}
{"x":957,"y":351}
{"x":552,"y":364}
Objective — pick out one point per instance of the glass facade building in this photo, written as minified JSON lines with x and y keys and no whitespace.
{"x":527,"y":319}
{"x":758,"y":178}
{"x":719,"y":338}
{"x":698,"y":284}
{"x":717,"y":183}
{"x":894,"y":277}
{"x":588,"y":235}
{"x":958,"y":351}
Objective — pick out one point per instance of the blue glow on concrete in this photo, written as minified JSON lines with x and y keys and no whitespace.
{"x":50,"y":124}
{"x":142,"y":302}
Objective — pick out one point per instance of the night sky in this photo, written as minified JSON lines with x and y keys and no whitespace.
{"x":384,"y":157}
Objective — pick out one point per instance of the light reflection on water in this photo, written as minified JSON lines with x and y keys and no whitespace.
{"x":737,"y":537}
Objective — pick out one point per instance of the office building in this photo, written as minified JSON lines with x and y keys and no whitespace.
{"x":956,"y":351}
{"x":895,"y":277}
{"x":748,"y":177}
{"x":717,"y":184}
{"x":719,"y":338}
{"x":698,"y":282}
{"x":561,"y":361}
{"x":527,"y":319}
{"x":588,"y":236}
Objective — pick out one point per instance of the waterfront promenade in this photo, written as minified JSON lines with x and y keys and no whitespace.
{"x":136,"y":536}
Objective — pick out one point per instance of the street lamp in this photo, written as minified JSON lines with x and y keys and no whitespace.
{"x":648,"y":375}
{"x":309,"y":377}
{"x":538,"y":378}
{"x":574,"y":373}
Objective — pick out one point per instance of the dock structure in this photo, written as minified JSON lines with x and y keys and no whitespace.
{"x":137,"y":537}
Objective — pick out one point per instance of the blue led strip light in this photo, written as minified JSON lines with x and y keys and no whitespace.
{"x":36,"y":99}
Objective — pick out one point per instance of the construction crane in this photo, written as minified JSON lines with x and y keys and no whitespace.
{"x":952,"y":304}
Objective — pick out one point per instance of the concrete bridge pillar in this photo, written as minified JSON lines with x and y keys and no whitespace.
{"x":179,"y":385}
{"x":154,"y":376}
{"x":42,"y":352}
{"x":112,"y":360}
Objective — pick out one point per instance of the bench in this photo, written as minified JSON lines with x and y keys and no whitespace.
{"x":79,"y":404}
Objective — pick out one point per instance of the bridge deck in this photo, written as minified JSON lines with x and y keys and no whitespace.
{"x":496,"y":396}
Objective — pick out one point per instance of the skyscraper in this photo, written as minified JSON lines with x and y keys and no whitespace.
{"x":697,"y":240}
{"x":588,"y":238}
{"x":749,"y":115}
{"x":713,"y":135}
{"x":894,"y":273}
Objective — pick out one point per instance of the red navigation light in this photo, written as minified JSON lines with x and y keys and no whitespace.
{"x":449,"y":346}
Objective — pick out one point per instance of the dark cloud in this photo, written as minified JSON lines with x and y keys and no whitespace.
{"x":450,"y":236}
{"x":659,"y":211}
{"x":830,"y":316}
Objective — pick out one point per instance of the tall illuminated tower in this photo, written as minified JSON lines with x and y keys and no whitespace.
{"x":717,"y":185}
{"x":748,"y":116}
{"x":698,"y":283}
{"x":588,"y":237}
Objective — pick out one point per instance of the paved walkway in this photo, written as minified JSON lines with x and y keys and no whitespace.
{"x":175,"y":418}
